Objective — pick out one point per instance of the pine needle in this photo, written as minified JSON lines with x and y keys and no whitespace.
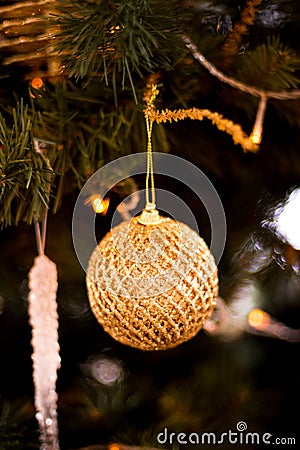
{"x":24,"y":173}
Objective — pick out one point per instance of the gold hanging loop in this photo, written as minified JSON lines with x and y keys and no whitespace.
{"x":150,"y":215}
{"x":150,"y":204}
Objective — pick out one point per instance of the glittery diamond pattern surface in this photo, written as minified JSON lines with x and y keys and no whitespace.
{"x":152,"y":286}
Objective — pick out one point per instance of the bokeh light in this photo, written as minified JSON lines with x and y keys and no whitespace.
{"x":105,"y":370}
{"x":259,"y":319}
{"x":37,"y":83}
{"x":287,"y":220}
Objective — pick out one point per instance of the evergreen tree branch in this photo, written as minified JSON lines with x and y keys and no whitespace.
{"x":131,"y":38}
{"x":271,"y":66}
{"x":252,"y":90}
{"x":24,"y":173}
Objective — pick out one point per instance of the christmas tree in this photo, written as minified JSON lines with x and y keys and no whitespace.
{"x":76,"y":84}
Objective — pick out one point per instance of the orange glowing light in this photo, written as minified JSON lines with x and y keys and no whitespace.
{"x":37,"y":83}
{"x":99,"y":205}
{"x":258,"y":319}
{"x":114,"y":29}
{"x":114,"y":447}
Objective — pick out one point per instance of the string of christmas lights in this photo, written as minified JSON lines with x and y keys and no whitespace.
{"x":229,"y":323}
{"x":264,"y":95}
{"x":278,"y":95}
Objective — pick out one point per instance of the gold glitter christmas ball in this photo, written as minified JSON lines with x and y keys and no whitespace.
{"x":152,"y":286}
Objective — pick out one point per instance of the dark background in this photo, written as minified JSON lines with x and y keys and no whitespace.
{"x":209,"y":383}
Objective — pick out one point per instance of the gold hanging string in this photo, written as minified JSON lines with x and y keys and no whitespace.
{"x":150,"y":215}
{"x":150,"y":204}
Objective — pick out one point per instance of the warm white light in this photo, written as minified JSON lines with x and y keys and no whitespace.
{"x":256,"y":134}
{"x":256,"y":137}
{"x":259,"y":319}
{"x":99,"y":205}
{"x":48,"y":422}
{"x":287,"y":220}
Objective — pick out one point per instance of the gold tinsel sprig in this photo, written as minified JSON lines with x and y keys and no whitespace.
{"x":226,"y":125}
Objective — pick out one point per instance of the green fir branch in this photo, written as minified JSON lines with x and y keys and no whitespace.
{"x":129,"y":38}
{"x":89,"y":130}
{"x":24,"y":173}
{"x":271,"y":66}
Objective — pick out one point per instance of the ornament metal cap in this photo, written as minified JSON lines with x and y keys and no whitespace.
{"x":150,"y":215}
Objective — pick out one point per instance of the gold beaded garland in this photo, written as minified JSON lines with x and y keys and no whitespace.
{"x":152,"y":286}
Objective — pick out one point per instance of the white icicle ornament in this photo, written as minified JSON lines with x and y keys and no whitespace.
{"x":43,"y":318}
